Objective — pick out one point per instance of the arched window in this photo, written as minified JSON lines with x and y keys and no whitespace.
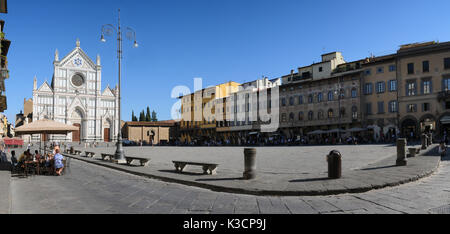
{"x":354,"y":112}
{"x":354,"y":93}
{"x":300,"y":99}
{"x":342,"y":112}
{"x":291,"y":101}
{"x":310,"y":98}
{"x":319,"y":97}
{"x":330,"y":113}
{"x":291,"y":116}
{"x":310,"y":115}
{"x":300,"y":116}
{"x":342,"y":93}
{"x":330,"y":96}
{"x":320,"y":115}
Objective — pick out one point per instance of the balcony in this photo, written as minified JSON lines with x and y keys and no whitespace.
{"x":444,"y":95}
{"x":3,"y":105}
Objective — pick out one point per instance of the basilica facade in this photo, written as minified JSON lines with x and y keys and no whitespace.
{"x":75,"y":97}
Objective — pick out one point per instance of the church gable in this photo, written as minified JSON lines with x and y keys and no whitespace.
{"x":108,"y":92}
{"x":77,"y":59}
{"x":45,"y":87}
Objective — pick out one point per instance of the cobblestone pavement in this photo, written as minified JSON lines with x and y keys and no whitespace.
{"x":88,"y":188}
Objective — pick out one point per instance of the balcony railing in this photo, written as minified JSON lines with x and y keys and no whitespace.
{"x":444,"y":95}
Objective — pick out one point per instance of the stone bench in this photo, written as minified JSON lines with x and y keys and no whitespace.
{"x":110,"y":156}
{"x":89,"y":154}
{"x":208,"y":168}
{"x":144,"y":161}
{"x":77,"y":152}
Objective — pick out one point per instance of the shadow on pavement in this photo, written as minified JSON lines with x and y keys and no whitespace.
{"x":221,"y":179}
{"x":182,"y":173}
{"x":375,"y":168}
{"x":310,"y":180}
{"x":5,"y":166}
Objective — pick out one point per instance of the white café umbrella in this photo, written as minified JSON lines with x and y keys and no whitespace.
{"x":45,"y":126}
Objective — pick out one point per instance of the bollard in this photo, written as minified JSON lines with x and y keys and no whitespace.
{"x":250,"y":163}
{"x":334,"y":160}
{"x":412,"y":152}
{"x":401,"y":152}
{"x":423,"y":138}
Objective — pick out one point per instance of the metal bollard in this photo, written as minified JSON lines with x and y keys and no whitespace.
{"x":250,"y":163}
{"x":334,"y":160}
{"x":401,"y":152}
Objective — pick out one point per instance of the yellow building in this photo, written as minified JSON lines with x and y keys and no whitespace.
{"x":198,"y":110}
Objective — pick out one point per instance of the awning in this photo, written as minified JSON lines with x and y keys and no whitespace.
{"x":445,"y":120}
{"x":316,"y":132}
{"x":357,"y":129}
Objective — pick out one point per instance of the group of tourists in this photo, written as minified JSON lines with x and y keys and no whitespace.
{"x":52,"y":163}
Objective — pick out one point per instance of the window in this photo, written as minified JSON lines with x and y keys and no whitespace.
{"x":330,"y":113}
{"x":291,"y":101}
{"x":330,"y":96}
{"x":283,"y":117}
{"x":320,"y":115}
{"x":368,"y":72}
{"x":354,"y":112}
{"x":426,"y":66}
{"x":320,"y":69}
{"x":412,"y":108}
{"x":310,"y":115}
{"x":319,"y":97}
{"x":380,"y":107}
{"x":392,"y":68}
{"x":283,"y":102}
{"x":393,"y":106}
{"x":310,"y":98}
{"x":380,"y":70}
{"x":447,"y":63}
{"x":291,"y":116}
{"x":426,"y":107}
{"x":369,"y":108}
{"x":342,"y":114}
{"x":368,"y":88}
{"x":300,"y":116}
{"x":446,"y":84}
{"x":380,"y":87}
{"x":426,"y":86}
{"x":411,"y":88}
{"x":300,"y":100}
{"x":354,"y":93}
{"x":410,"y":68}
{"x":392,"y":85}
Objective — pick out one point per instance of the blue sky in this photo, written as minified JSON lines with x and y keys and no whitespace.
{"x":217,"y":40}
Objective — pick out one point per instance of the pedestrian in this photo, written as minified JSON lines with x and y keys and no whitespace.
{"x":442,"y":149}
{"x":3,"y":155}
{"x":59,"y":166}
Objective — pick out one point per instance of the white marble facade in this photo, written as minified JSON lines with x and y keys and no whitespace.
{"x":74,"y":97}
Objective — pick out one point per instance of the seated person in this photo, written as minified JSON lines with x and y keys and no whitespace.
{"x":37,"y":155}
{"x":13,"y":158}
{"x":59,"y":166}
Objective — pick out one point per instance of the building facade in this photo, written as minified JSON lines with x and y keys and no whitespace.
{"x":149,"y":133}
{"x":74,"y":97}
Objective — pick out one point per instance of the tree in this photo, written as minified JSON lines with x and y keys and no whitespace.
{"x":147,"y":115}
{"x":133,"y":117}
{"x":154,"y":118}
{"x":142,"y":117}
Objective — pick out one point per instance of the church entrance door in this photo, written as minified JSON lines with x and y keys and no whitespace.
{"x":106,"y":135}
{"x":76,"y":134}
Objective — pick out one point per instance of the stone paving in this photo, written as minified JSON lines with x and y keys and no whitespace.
{"x":300,"y":170}
{"x":88,"y":188}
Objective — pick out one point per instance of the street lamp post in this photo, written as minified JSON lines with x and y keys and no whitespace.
{"x":130,"y":34}
{"x":338,"y":92}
